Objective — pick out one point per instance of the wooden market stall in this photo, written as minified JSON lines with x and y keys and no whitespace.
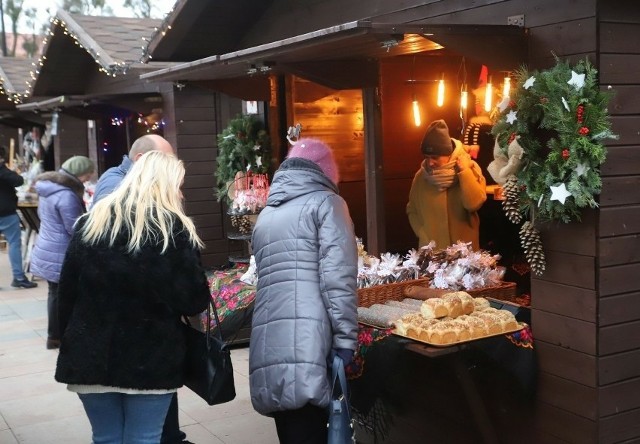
{"x":585,"y":311}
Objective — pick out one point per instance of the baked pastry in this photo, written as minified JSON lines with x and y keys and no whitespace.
{"x":468,"y":305}
{"x":464,"y":332}
{"x":434,"y":308}
{"x":442,"y":333}
{"x":477,"y":326}
{"x":453,"y":303}
{"x":507,"y":320}
{"x":411,"y":320}
{"x":492,"y":322}
{"x":480,"y":304}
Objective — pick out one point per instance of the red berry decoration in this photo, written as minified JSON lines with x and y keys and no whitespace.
{"x":580,"y":113}
{"x":565,"y":154}
{"x":583,"y":131}
{"x":512,"y":104}
{"x":512,"y":137}
{"x":543,"y":100}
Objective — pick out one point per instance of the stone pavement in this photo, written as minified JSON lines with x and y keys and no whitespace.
{"x":35,"y":409}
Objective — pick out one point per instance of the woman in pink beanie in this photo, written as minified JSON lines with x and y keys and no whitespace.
{"x":305,"y":308}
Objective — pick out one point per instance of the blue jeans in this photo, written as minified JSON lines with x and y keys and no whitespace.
{"x":117,"y":418}
{"x":10,"y":227}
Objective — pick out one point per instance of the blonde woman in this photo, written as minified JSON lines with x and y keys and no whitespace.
{"x":131,"y":271}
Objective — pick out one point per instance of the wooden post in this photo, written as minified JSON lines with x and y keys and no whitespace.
{"x":12,"y":148}
{"x":374,"y":176}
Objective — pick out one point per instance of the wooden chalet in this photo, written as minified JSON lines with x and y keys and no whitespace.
{"x":14,"y":73}
{"x":88,"y":78}
{"x":341,"y":68}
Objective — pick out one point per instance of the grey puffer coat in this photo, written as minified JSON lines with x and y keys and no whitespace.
{"x":306,"y":258}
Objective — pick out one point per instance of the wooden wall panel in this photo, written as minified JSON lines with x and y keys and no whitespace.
{"x":620,"y":308}
{"x":200,"y":167}
{"x":618,"y":338}
{"x":196,"y":141}
{"x":622,"y":159}
{"x":570,"y":269}
{"x":621,"y":397}
{"x":619,"y":279}
{"x":565,"y":332}
{"x":617,"y":191}
{"x":568,"y":395}
{"x":612,"y":40}
{"x":622,"y":428}
{"x":197,"y":154}
{"x":567,"y":426}
{"x":620,"y":221}
{"x":618,"y":367}
{"x":575,"y":238}
{"x":572,"y":37}
{"x":625,"y":99}
{"x":619,"y":68}
{"x":619,"y":250}
{"x":626,"y":127}
{"x":574,"y":302}
{"x":567,"y":364}
{"x":201,"y":181}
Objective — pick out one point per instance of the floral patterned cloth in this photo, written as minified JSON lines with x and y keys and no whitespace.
{"x":367,"y":336}
{"x":229,"y":294}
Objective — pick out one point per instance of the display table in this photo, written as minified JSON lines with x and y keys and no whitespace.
{"x":480,"y":392}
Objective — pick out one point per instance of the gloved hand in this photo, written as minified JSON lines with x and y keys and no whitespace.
{"x":345,"y":354}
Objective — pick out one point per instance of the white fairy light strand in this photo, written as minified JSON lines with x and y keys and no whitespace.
{"x":163,"y":28}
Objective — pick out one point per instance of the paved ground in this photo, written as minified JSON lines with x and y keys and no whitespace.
{"x":34,"y":409}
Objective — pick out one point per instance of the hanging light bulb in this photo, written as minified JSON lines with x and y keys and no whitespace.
{"x":464,"y":96}
{"x":416,"y":111}
{"x":506,"y":87}
{"x":488,"y":96}
{"x":440,"y":100}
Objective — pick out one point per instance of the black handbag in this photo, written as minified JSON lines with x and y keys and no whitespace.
{"x":340,"y":425}
{"x":209,"y":372}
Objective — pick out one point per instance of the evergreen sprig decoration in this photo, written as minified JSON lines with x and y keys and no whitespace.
{"x":243,"y":146}
{"x":560,"y":119}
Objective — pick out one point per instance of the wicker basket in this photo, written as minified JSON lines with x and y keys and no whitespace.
{"x":506,"y":291}
{"x":379,"y":294}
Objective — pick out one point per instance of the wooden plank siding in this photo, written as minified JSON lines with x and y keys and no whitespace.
{"x":72,"y":139}
{"x":619,"y":230}
{"x":194,"y":130}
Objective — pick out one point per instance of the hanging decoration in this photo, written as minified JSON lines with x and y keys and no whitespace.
{"x":243,"y":146}
{"x":558,"y":119}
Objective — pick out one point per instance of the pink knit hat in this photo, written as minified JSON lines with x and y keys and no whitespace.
{"x":318,"y":152}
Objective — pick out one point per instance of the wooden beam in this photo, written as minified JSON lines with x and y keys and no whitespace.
{"x":376,"y":241}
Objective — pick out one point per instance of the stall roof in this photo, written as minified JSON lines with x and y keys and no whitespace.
{"x":197,"y":29}
{"x":77,"y":43}
{"x":142,"y":103}
{"x":361,"y":41}
{"x":14,"y":73}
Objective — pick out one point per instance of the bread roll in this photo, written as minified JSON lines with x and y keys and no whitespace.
{"x":492,"y":322}
{"x":477,"y":326}
{"x":507,"y":320}
{"x":434,"y":308}
{"x":480,"y":304}
{"x":442,"y":333}
{"x":464,"y":332}
{"x":419,"y":292}
{"x":453,"y":303}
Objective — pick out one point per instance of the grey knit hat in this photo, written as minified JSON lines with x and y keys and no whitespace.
{"x":436,"y":141}
{"x":78,"y":165}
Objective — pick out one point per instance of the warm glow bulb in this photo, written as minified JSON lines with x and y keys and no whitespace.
{"x":440,"y":101}
{"x":506,"y":87}
{"x":487,"y":96}
{"x":416,"y":112}
{"x":464,"y":96}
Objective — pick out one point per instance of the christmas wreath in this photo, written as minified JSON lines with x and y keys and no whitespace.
{"x":549,"y":149}
{"x":243,"y":146}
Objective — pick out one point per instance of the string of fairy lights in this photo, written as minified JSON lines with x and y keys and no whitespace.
{"x":164,"y":27}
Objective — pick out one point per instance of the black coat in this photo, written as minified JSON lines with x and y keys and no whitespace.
{"x":120,"y":313}
{"x":9,"y":180}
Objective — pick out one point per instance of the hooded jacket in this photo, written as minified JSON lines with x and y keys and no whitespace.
{"x":306,"y":259}
{"x":451,"y":215}
{"x":59,"y":206}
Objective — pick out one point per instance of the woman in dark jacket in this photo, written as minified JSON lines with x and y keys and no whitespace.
{"x":305,"y":310}
{"x":132,"y":270}
{"x":60,"y":205}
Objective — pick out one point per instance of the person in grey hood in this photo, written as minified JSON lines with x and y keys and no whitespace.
{"x":305,"y":309}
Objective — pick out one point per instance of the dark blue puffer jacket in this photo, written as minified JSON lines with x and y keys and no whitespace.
{"x":59,"y":206}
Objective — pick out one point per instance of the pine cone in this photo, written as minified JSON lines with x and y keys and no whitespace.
{"x":510,"y":202}
{"x":235,"y":221}
{"x":532,"y":245}
{"x":244,"y":225}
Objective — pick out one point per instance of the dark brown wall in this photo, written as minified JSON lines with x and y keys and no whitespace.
{"x":72,"y":139}
{"x":618,"y":329}
{"x":193,"y":130}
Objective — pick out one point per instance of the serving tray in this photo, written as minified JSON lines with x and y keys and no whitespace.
{"x":521,"y":325}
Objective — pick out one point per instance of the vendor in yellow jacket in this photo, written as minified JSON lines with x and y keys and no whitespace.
{"x":447,"y":191}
